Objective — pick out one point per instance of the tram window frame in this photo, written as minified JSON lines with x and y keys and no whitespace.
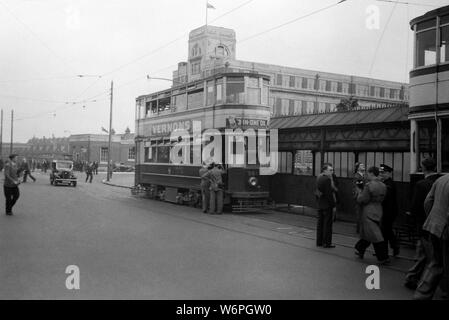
{"x":253,"y":94}
{"x":161,"y":151}
{"x":195,"y":99}
{"x":444,"y":48}
{"x":210,"y":93}
{"x":150,"y":149}
{"x":425,"y":35}
{"x":219,"y":88}
{"x":235,"y":90}
{"x":265,"y":92}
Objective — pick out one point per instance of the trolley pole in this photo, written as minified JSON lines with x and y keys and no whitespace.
{"x":110,"y":135}
{"x":12,"y":131}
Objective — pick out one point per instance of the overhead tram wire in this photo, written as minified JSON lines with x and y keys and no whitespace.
{"x":169,"y":43}
{"x":38,"y":79}
{"x":35,"y":35}
{"x":74,"y":104}
{"x":407,"y":30}
{"x":178,"y":38}
{"x":126,"y":64}
{"x":380,"y":40}
{"x":410,"y":3}
{"x":232,"y":10}
{"x":226,"y":13}
{"x":144,"y":56}
{"x":292,"y":21}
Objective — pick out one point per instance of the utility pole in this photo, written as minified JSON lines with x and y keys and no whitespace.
{"x":12,"y":124}
{"x":110,"y":135}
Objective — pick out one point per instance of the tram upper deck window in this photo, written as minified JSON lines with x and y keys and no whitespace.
{"x":219,"y":90}
{"x":235,"y":90}
{"x":164,"y":105}
{"x":444,"y":42}
{"x":264,"y":98}
{"x":151,"y":108}
{"x":210,"y":93}
{"x":425,"y":43}
{"x":195,"y":99}
{"x":180,"y":102}
{"x":253,"y":91}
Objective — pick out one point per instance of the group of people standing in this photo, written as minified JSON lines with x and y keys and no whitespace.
{"x":375,"y":197}
{"x":374,"y":194}
{"x":430,"y":208}
{"x":212,"y":188}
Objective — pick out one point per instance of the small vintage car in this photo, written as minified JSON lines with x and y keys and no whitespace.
{"x":62,"y":173}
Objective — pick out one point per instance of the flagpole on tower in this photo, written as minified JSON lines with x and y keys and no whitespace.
{"x":208,"y":6}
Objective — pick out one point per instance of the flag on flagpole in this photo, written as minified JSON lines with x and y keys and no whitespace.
{"x":103,"y":129}
{"x":209,"y":6}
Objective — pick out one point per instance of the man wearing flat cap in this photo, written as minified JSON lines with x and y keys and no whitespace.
{"x":390,"y":208}
{"x":11,"y":183}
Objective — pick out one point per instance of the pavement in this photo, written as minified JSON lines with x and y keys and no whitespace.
{"x":128,"y":247}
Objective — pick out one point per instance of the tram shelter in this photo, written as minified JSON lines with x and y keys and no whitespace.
{"x":372,"y":136}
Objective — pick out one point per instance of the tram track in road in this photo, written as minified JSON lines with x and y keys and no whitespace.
{"x":258,"y":230}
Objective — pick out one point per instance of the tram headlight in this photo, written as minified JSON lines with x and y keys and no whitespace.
{"x":253,"y":181}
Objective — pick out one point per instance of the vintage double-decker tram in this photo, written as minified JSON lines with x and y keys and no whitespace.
{"x":223,"y":101}
{"x":429,"y":90}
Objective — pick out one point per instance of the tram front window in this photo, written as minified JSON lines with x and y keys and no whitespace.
{"x":235,"y":90}
{"x":425,"y":48}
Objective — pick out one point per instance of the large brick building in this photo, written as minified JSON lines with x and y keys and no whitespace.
{"x":292,"y":91}
{"x":94,"y":147}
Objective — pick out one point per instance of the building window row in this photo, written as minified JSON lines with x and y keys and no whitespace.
{"x":337,"y":87}
{"x":291,"y":107}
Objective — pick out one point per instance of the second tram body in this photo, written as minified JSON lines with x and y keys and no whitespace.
{"x":429,"y":90}
{"x":230,"y":100}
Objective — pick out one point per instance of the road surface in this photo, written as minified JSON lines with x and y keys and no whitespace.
{"x":134,"y":248}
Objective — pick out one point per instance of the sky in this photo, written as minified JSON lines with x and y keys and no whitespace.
{"x":46,"y":44}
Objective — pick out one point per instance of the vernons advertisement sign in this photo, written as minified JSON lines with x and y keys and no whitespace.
{"x":166,"y":128}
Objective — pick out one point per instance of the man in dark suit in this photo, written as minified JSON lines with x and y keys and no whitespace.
{"x":390,"y":209}
{"x":421,"y":190}
{"x":326,"y":204}
{"x":437,"y":226}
